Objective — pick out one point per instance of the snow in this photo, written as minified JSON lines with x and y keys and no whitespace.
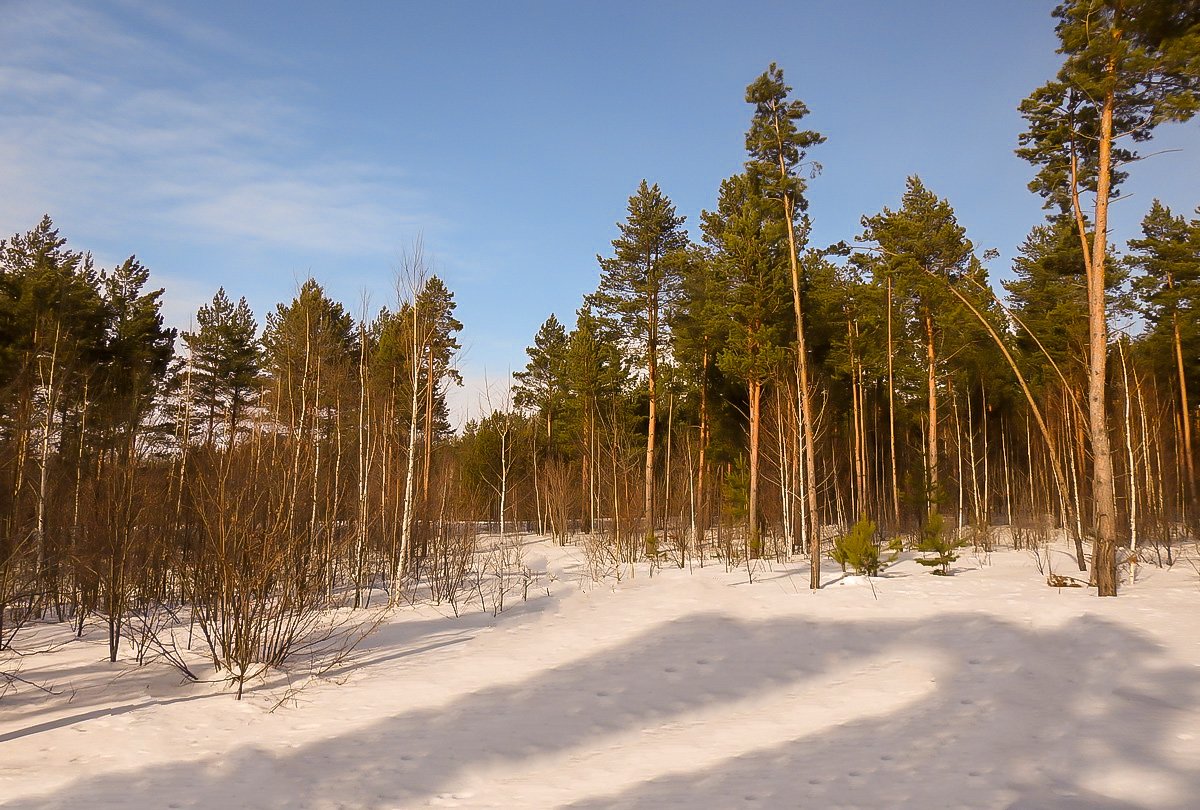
{"x":688,"y":688}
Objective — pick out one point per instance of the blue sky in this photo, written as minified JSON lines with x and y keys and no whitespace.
{"x":253,"y":144}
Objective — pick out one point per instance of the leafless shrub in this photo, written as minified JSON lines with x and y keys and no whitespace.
{"x":602,"y":558}
{"x":983,"y":537}
{"x":506,"y":562}
{"x":1021,"y":538}
{"x":258,"y":584}
{"x":451,"y":551}
{"x":21,"y":596}
{"x":1040,"y":551}
{"x":561,"y":497}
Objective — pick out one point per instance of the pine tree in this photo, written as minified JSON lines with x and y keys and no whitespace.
{"x":748,"y":241}
{"x":1127,"y":67}
{"x":48,"y":291}
{"x":937,"y":541}
{"x":306,"y":341}
{"x":857,"y":362}
{"x":595,"y":372}
{"x":777,"y":150}
{"x":138,"y":350}
{"x":436,"y":306}
{"x":1168,"y":289}
{"x":52,"y":319}
{"x":698,"y":332}
{"x":857,"y":548}
{"x":116,"y":546}
{"x":542,"y":386}
{"x":1048,"y":295}
{"x":923,"y":249}
{"x":225,"y":362}
{"x":638,"y":286}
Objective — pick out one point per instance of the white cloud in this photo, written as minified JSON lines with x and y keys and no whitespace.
{"x":106,"y":126}
{"x":482,"y":392}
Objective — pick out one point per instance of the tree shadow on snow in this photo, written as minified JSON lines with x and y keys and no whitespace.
{"x":1018,"y":717}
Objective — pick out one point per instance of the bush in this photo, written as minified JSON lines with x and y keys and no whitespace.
{"x":935,"y":540}
{"x":859,"y":550}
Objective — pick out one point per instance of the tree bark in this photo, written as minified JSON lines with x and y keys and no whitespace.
{"x":931,"y":451}
{"x":702,"y":464}
{"x":406,"y":519}
{"x":806,"y":414}
{"x":1188,"y":457}
{"x":1104,"y":561}
{"x":755,"y":396}
{"x":892,"y":410}
{"x":651,"y":385}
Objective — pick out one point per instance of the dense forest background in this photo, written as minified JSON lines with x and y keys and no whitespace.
{"x":729,"y":391}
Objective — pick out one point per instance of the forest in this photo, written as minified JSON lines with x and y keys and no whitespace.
{"x":729,"y":392}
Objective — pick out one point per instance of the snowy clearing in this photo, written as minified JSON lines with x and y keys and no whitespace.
{"x":684,"y":689}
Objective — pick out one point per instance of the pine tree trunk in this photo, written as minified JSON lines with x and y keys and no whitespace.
{"x":537,"y":485}
{"x":1130,"y":459}
{"x":892,"y":410}
{"x":1189,"y":462}
{"x":986,"y":505}
{"x":958,"y":442}
{"x":1007,"y":473}
{"x":931,"y":435}
{"x":667,"y":464}
{"x":364,"y":470}
{"x":976,"y":497}
{"x":702,"y":465}
{"x":430,"y":388}
{"x":856,"y":499}
{"x":1104,"y":560}
{"x":755,"y":397}
{"x":594,"y":468}
{"x":864,"y":469}
{"x":785,"y":481}
{"x":651,"y":382}
{"x":805,"y":403}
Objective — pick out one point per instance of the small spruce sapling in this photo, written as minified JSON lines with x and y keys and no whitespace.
{"x":858,"y":549}
{"x":941,"y":544}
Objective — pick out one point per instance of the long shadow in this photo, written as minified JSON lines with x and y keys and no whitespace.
{"x":95,"y":683}
{"x":1044,"y":729}
{"x":95,"y":714}
{"x":90,"y":684}
{"x":396,"y":640}
{"x":1018,"y":718}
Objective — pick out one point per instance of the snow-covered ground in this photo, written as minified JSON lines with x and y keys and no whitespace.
{"x":686,"y":689}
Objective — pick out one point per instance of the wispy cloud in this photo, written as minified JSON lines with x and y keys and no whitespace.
{"x":114,"y":116}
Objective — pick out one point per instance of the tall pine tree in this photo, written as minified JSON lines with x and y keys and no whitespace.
{"x":777,"y":150}
{"x":138,"y":351}
{"x":1167,"y":259}
{"x":922,"y":249}
{"x":638,"y":285}
{"x":1127,"y":67}
{"x":748,"y":241}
